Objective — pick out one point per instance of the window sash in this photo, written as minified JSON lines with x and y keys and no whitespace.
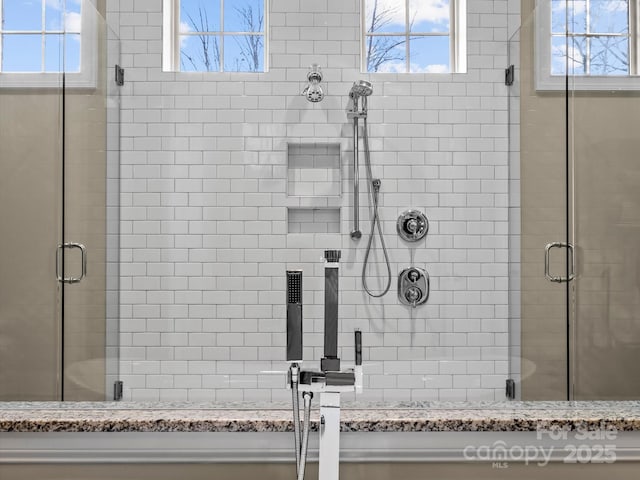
{"x":545,"y":80}
{"x":589,"y":34}
{"x":456,"y":34}
{"x":172,"y":34}
{"x":85,"y":78}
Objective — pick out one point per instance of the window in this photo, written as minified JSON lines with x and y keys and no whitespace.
{"x":41,"y":38}
{"x":594,"y":41}
{"x":415,"y":36}
{"x":215,"y":35}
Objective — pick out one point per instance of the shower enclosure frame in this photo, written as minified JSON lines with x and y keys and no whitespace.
{"x":566,"y":303}
{"x":78,"y":270}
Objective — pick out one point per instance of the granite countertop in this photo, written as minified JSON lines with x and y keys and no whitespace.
{"x":366,"y":417}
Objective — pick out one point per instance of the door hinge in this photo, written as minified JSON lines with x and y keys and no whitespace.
{"x":510,"y":389}
{"x":509,"y":75}
{"x":119,"y":75}
{"x":118,"y":387}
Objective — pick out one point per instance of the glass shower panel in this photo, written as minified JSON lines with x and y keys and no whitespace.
{"x":59,"y":203}
{"x":30,"y":219}
{"x":540,"y":217}
{"x":90,"y":218}
{"x":605,"y":228}
{"x":513,"y":78}
{"x":113,"y":216}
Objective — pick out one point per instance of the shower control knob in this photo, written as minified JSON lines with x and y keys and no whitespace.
{"x":412,"y":295}
{"x":412,"y":225}
{"x":413,"y":275}
{"x":413,"y":286}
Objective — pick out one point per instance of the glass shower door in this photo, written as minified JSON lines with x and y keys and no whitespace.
{"x":31,"y":226}
{"x":605,"y":228}
{"x":59,"y":198}
{"x":538,"y":199}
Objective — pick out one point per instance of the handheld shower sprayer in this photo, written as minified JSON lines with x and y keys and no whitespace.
{"x":358,"y":95}
{"x":294,"y":316}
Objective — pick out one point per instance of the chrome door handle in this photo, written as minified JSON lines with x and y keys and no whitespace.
{"x":83,"y":259}
{"x":572,"y":267}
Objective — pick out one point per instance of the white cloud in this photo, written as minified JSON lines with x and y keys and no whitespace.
{"x":574,"y":62}
{"x":435,"y":11}
{"x":55,"y":4}
{"x":73,"y":22}
{"x":400,"y":67}
{"x":575,"y":7}
{"x":437,"y":68}
{"x":58,"y":4}
{"x":579,"y":7}
{"x":184,"y":27}
{"x":392,"y":67}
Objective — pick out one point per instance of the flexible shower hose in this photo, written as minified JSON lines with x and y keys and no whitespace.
{"x":374,"y":190}
{"x":301,"y":444}
{"x":306,"y":396}
{"x":296,"y":421}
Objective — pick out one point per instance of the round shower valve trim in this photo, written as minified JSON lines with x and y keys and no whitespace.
{"x":412,"y":225}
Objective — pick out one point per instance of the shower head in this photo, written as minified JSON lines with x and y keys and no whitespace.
{"x":361,"y":88}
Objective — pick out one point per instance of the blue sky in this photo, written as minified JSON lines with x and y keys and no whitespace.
{"x":30,"y":50}
{"x":430,"y":54}
{"x":208,"y":16}
{"x":607,"y":55}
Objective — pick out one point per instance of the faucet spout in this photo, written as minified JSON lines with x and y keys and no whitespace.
{"x":330,"y":362}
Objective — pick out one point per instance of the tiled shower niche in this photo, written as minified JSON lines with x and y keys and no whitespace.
{"x":313,"y":170}
{"x":313,"y":220}
{"x":313,"y":176}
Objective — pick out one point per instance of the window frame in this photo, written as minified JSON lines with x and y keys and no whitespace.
{"x":85,"y":78}
{"x":546,"y":81}
{"x":457,"y":34}
{"x":171,"y":39}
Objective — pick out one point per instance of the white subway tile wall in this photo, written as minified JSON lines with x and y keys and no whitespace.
{"x":204,"y":224}
{"x":314,"y":170}
{"x":313,"y":220}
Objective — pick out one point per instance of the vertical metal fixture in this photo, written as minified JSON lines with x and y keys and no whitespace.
{"x":330,"y":361}
{"x":119,"y":75}
{"x":313,"y":91}
{"x":357,"y":109}
{"x":509,"y":75}
{"x":118,"y":388}
{"x":510,"y":390}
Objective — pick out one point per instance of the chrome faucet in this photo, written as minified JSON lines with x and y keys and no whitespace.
{"x":329,"y":382}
